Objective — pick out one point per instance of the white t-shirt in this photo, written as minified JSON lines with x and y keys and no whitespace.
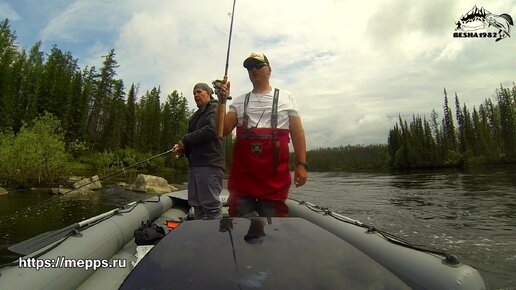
{"x":262,"y":103}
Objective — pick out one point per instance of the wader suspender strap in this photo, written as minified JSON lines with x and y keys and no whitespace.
{"x":274,"y":125}
{"x":274,"y":115}
{"x":245,"y":118}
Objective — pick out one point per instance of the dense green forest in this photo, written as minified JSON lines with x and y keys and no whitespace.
{"x":91,"y":104}
{"x":91,"y":110}
{"x":486,"y":135}
{"x":89,"y":115}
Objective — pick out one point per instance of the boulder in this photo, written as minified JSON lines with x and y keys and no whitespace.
{"x":92,"y":183}
{"x":73,"y":179}
{"x":59,"y":190}
{"x":123,"y":184}
{"x":80,"y":191}
{"x":151,"y":184}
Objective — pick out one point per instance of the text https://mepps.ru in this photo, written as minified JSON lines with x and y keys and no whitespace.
{"x":62,"y":262}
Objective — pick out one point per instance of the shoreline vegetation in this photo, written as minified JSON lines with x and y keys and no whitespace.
{"x":55,"y":116}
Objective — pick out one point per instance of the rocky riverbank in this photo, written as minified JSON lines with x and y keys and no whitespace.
{"x":81,"y":186}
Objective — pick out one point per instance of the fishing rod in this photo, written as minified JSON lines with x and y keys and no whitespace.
{"x":134,"y":165}
{"x":38,"y":205}
{"x":217,"y":84}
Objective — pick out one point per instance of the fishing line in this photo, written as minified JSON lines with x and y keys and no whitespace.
{"x":229,"y":41}
{"x":52,"y":199}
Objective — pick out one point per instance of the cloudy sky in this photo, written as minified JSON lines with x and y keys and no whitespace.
{"x":353,"y":66}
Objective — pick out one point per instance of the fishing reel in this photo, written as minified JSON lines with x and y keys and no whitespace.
{"x":217,"y":86}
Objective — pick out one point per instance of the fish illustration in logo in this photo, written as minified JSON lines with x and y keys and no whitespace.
{"x":503,"y":22}
{"x":475,"y":19}
{"x":481,"y":19}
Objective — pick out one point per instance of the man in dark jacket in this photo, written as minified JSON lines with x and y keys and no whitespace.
{"x":205,"y":153}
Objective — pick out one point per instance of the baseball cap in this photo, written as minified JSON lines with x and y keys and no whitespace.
{"x":256,"y":57}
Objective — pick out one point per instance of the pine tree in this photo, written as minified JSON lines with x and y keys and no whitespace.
{"x":493,"y":120}
{"x":17,"y":88}
{"x":180,"y":113}
{"x":167,"y":141}
{"x":481,"y":147}
{"x":469,"y":133}
{"x":438,"y":136}
{"x":507,"y":122}
{"x":130,"y":117}
{"x":460,"y":126}
{"x":78,"y":112}
{"x":33,"y":83}
{"x":8,"y":55}
{"x":430,"y":146}
{"x":103,"y":93}
{"x":394,"y":142}
{"x":449,"y":137}
{"x":58,"y":73}
{"x":148,"y":124}
{"x":114,"y":113}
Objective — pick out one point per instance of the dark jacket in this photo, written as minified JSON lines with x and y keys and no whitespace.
{"x":203,"y":146}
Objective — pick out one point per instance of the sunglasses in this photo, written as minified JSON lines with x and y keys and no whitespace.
{"x":258,"y":65}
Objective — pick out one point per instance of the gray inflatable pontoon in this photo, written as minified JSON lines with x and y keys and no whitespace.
{"x":312,"y":249}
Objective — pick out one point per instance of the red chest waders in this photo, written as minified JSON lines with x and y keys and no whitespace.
{"x":260,"y":159}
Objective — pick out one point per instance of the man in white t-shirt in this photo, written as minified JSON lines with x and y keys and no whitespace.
{"x":266,"y":118}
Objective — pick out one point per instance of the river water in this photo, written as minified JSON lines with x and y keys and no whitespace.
{"x":471,"y":214}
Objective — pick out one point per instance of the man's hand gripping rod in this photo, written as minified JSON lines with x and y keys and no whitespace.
{"x":217,"y":84}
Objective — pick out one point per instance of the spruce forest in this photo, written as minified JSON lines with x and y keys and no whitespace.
{"x":89,"y":113}
{"x":484,"y":135}
{"x":92,"y":105}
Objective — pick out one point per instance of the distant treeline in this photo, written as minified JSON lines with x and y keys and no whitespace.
{"x":347,"y":158}
{"x":486,"y":135}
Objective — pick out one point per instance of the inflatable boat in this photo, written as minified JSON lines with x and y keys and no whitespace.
{"x":314,"y":248}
